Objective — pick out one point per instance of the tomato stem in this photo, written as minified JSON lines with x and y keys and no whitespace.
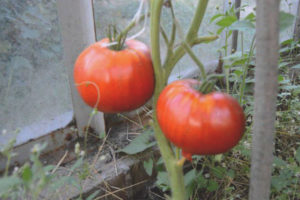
{"x":173,"y":166}
{"x":181,"y":161}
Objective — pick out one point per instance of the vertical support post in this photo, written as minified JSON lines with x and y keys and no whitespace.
{"x":77,"y":27}
{"x":267,"y":31}
{"x":235,"y":33}
{"x":297,"y":24}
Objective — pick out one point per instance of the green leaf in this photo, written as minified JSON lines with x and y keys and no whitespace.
{"x":7,"y":183}
{"x":283,"y":180}
{"x":230,"y":173}
{"x":297,"y":156}
{"x":201,"y":181}
{"x":139,"y":144}
{"x":285,"y":20}
{"x":296,"y":66}
{"x":242,"y":25}
{"x":238,"y":73}
{"x":215,"y":17}
{"x":278,"y":162}
{"x":287,"y":42}
{"x":280,"y":78}
{"x":190,"y":177}
{"x":26,"y":173}
{"x":240,"y":61}
{"x":283,"y":64}
{"x":219,"y":172}
{"x":92,"y":196}
{"x":220,"y":30}
{"x":250,"y":17}
{"x":148,"y":166}
{"x":227,"y":21}
{"x":163,"y":181}
{"x":234,"y":56}
{"x":212,"y":186}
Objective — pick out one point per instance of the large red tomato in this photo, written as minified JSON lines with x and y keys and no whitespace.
{"x":199,"y":124}
{"x":122,"y":80}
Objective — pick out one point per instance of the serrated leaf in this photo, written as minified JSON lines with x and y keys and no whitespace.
{"x":226,"y":21}
{"x":190,"y":177}
{"x":231,"y":173}
{"x":219,"y":172}
{"x":297,"y":156}
{"x":148,"y":166}
{"x":282,"y":180}
{"x":212,"y":186}
{"x":242,"y":25}
{"x":139,"y":144}
{"x":201,"y":181}
{"x":285,"y":20}
{"x":250,"y":17}
{"x":278,"y":162}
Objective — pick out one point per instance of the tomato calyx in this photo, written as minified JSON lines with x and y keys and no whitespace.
{"x":117,"y":38}
{"x":209,"y":83}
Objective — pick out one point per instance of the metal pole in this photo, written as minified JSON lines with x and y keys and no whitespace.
{"x":267,"y":32}
{"x":235,"y":33}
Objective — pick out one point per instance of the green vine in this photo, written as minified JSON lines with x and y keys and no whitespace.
{"x":162,"y":72}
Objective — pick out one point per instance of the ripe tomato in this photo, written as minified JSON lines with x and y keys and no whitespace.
{"x":197,"y":123}
{"x":124,"y":79}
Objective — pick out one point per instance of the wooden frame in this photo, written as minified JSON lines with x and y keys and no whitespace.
{"x":77,"y":27}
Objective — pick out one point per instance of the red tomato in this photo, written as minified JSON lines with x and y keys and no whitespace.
{"x":199,"y":124}
{"x":124,"y":79}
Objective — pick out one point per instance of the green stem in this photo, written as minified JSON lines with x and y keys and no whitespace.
{"x":175,"y":171}
{"x":226,"y":69}
{"x":170,"y":158}
{"x":245,"y":70}
{"x":7,"y":165}
{"x":173,"y":33}
{"x":180,"y":52}
{"x":129,"y":27}
{"x":197,"y":19}
{"x":189,"y":50}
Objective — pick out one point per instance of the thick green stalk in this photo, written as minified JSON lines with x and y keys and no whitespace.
{"x":174,"y":170}
{"x":197,"y":19}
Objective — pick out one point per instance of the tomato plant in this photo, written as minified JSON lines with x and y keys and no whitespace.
{"x":198,"y":123}
{"x":115,"y":81}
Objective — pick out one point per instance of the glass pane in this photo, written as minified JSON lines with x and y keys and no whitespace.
{"x":33,"y":81}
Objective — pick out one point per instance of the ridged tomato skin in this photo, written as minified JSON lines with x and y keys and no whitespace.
{"x":125,"y":78}
{"x":199,"y":124}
